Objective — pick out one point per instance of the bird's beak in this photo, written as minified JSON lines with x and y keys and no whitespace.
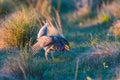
{"x":67,"y":47}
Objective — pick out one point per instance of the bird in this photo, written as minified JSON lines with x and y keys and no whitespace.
{"x":50,"y":42}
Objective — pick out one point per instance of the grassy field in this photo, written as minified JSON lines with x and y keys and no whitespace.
{"x":93,"y":34}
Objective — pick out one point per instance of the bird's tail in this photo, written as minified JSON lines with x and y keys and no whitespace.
{"x":36,"y":48}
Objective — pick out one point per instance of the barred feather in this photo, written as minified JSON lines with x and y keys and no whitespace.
{"x":41,"y":43}
{"x":36,"y":47}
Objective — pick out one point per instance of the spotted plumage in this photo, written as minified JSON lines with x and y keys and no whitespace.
{"x":49,"y":43}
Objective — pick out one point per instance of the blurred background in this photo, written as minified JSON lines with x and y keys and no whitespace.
{"x":92,"y":27}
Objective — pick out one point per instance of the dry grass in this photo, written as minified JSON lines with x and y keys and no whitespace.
{"x":103,"y":57}
{"x":112,"y":8}
{"x":23,"y":24}
{"x":19,"y":29}
{"x":105,"y":14}
{"x":2,"y":44}
{"x":102,"y":51}
{"x":43,"y":6}
{"x":115,"y":29}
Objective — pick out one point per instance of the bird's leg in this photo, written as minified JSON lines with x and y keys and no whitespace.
{"x":52,"y":54}
{"x":46,"y":54}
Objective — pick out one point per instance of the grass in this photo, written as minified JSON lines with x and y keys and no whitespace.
{"x":93,"y":56}
{"x":95,"y":64}
{"x":23,"y":66}
{"x":21,"y":30}
{"x":88,"y":63}
{"x":115,"y":29}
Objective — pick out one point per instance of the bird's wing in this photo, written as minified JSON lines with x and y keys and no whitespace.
{"x":43,"y":31}
{"x":42,"y":42}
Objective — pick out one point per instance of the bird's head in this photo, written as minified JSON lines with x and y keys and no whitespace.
{"x":67,"y":47}
{"x":66,"y":44}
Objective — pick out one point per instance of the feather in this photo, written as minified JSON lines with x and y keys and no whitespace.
{"x":41,"y":43}
{"x":36,"y":47}
{"x":43,"y":31}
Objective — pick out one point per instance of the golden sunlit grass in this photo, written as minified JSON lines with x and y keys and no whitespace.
{"x":113,"y":8}
{"x":115,"y":29}
{"x":2,"y":44}
{"x":20,"y":28}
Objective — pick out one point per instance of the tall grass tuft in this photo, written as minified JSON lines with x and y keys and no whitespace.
{"x":20,"y":29}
